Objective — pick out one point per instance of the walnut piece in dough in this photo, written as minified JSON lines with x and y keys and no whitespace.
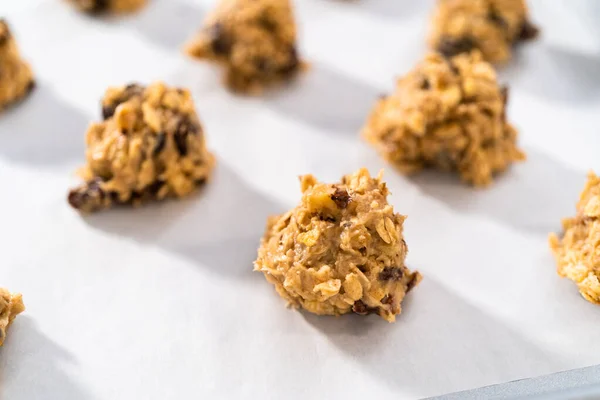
{"x":340,"y":250}
{"x":254,"y":40}
{"x":449,"y":114}
{"x":577,"y":250}
{"x":113,"y":6}
{"x":150,"y":146}
{"x":16,"y":78}
{"x":492,"y":26}
{"x":10,"y":306}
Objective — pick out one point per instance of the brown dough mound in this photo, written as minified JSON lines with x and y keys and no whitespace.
{"x":255,"y":40}
{"x":101,"y":6}
{"x":149,"y":146}
{"x":449,"y":114}
{"x":16,"y":78}
{"x":340,"y":250}
{"x":577,"y":251}
{"x":10,"y":306}
{"x":491,"y":26}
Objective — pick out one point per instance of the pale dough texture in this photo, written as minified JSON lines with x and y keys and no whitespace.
{"x":254,"y":40}
{"x":150,"y":146}
{"x":116,"y":6}
{"x":577,"y":250}
{"x":16,"y":78}
{"x":491,"y":26}
{"x":10,"y":306}
{"x":449,"y":114}
{"x":340,"y":250}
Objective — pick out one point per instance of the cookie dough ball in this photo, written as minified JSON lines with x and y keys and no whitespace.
{"x":449,"y":114}
{"x":577,"y":250}
{"x":340,"y":250}
{"x":254,"y":40}
{"x":10,"y":306}
{"x":150,"y":146}
{"x":102,"y":6}
{"x":16,"y":78}
{"x":492,"y":26}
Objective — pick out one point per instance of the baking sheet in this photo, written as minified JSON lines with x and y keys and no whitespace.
{"x":161,"y":302}
{"x":575,"y":384}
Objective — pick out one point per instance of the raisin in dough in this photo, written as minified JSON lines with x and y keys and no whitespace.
{"x":150,"y":146}
{"x":340,"y":250}
{"x":254,"y":40}
{"x":492,"y":26}
{"x":448,"y":114}
{"x":101,"y":6}
{"x":577,"y":250}
{"x":10,"y":306}
{"x":16,"y":78}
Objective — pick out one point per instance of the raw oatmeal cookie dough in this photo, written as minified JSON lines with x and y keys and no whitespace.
{"x":150,"y":146}
{"x":340,"y":250}
{"x":449,"y":114}
{"x":16,"y":78}
{"x":254,"y":40}
{"x":10,"y":306}
{"x":101,"y":6}
{"x":577,"y":250}
{"x":492,"y":26}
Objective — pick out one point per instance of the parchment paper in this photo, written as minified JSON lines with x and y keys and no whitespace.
{"x":161,"y":302}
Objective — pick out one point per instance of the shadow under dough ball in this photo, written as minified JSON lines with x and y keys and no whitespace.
{"x":16,"y":77}
{"x":341,"y":250}
{"x":448,"y":114}
{"x":254,"y":40}
{"x":150,"y":146}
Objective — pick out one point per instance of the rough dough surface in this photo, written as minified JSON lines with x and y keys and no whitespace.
{"x":10,"y":306}
{"x":577,"y":251}
{"x":16,"y":78}
{"x":254,"y":40}
{"x":150,"y":146}
{"x":340,"y":250}
{"x":492,"y":26}
{"x":101,"y":6}
{"x":449,"y":114}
